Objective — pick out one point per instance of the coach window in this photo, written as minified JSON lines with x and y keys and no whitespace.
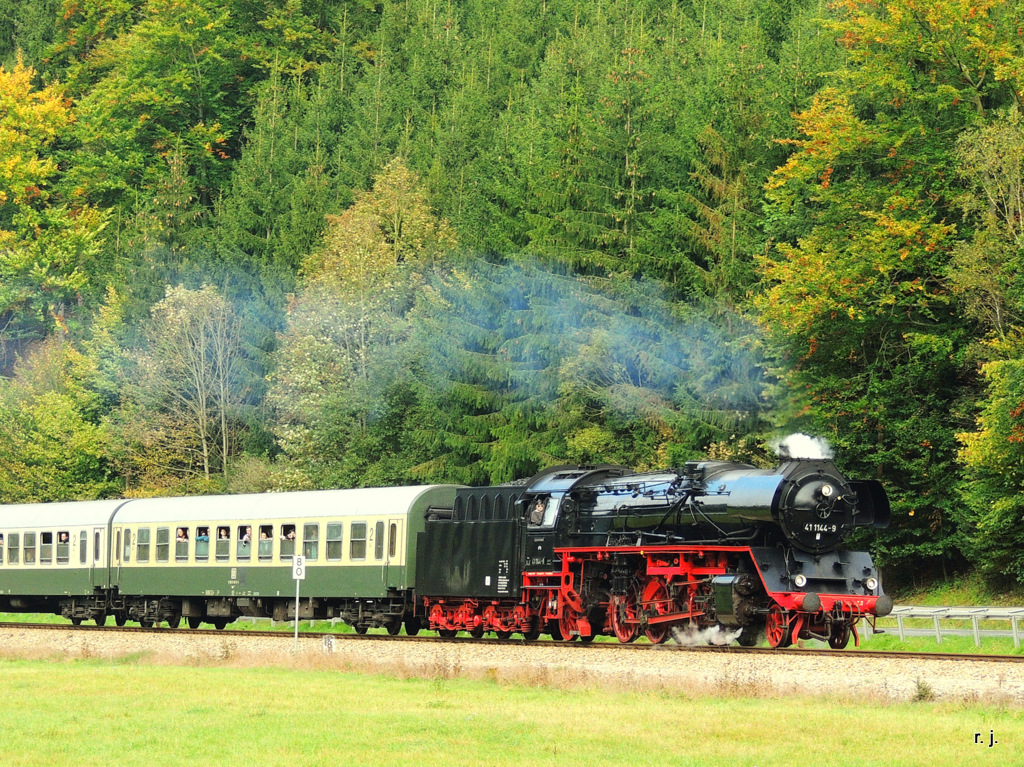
{"x":311,"y":542}
{"x":287,"y":541}
{"x":244,"y":553}
{"x":357,"y":541}
{"x":223,"y":543}
{"x":378,"y":543}
{"x":202,"y":544}
{"x":392,"y":540}
{"x":12,"y":548}
{"x":1,"y":548}
{"x":83,"y":547}
{"x":334,"y":541}
{"x":163,"y":544}
{"x":46,"y":548}
{"x":29,"y":550}
{"x":142,"y":545}
{"x":63,"y":547}
{"x":127,"y":551}
{"x":182,"y":537}
{"x":266,"y":549}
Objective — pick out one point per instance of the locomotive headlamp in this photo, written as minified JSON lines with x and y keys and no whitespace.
{"x":827,"y":491}
{"x":800,"y":581}
{"x":871,"y":583}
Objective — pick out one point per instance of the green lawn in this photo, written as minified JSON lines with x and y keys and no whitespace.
{"x":104,"y":713}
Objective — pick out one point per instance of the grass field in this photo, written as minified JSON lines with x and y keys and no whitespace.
{"x":131,"y":712}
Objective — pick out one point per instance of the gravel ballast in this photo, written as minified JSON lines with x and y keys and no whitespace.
{"x":777,"y":674}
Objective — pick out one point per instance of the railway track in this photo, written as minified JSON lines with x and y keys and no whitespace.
{"x":336,"y":640}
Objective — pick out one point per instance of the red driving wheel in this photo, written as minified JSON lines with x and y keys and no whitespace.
{"x":622,"y":617}
{"x":777,"y":627}
{"x":656,"y":602}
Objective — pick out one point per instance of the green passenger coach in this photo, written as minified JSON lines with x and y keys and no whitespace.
{"x":54,"y":557}
{"x":217,"y":558}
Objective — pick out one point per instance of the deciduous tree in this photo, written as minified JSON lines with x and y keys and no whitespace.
{"x":992,"y":456}
{"x":48,"y":252}
{"x":179,"y":416}
{"x":52,"y":444}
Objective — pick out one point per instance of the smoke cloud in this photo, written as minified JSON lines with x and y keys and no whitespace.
{"x":802,"y":446}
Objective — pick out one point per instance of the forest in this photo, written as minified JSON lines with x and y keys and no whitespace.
{"x":257,"y":245}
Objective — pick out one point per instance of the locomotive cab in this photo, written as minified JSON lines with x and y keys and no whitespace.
{"x":542,"y":516}
{"x":548,"y":510}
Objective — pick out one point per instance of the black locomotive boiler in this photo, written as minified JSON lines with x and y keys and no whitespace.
{"x":578,"y":552}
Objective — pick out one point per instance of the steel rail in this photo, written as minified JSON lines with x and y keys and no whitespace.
{"x":331,"y":639}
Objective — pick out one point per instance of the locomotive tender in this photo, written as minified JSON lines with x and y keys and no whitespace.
{"x":572,"y":552}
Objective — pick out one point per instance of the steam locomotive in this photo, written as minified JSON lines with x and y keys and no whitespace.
{"x":574,"y":552}
{"x":589,"y":551}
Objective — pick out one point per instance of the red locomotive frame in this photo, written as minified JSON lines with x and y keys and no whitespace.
{"x":671,"y":590}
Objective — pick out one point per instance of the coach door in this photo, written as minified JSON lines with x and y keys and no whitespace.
{"x":389,"y":542}
{"x":98,"y":567}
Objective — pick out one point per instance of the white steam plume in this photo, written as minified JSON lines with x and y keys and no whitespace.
{"x":714,"y":635}
{"x":802,"y":446}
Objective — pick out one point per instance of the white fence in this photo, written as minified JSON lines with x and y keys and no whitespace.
{"x":950,"y":621}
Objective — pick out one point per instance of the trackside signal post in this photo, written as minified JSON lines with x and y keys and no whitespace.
{"x":299,"y":574}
